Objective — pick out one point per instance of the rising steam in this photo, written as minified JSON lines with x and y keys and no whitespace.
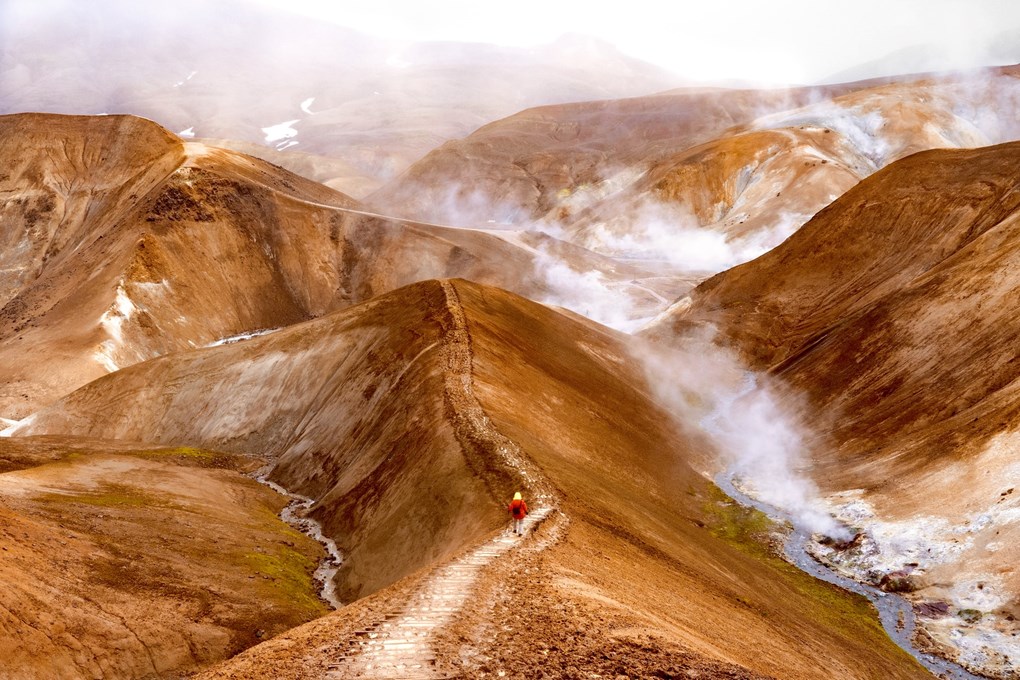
{"x":757,"y":436}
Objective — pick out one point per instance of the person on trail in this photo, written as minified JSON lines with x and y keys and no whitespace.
{"x":518,"y":510}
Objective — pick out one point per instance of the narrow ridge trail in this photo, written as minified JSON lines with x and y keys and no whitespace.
{"x":399,"y":644}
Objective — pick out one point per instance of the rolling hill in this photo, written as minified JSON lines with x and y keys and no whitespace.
{"x":410,"y":418}
{"x":125,"y":243}
{"x":891,"y":311}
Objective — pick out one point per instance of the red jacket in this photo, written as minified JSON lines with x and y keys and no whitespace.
{"x":518,"y":509}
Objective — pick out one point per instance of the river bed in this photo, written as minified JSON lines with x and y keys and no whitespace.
{"x":295,"y":514}
{"x":895,"y":612}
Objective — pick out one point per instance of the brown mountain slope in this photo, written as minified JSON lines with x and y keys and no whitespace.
{"x":121,"y":561}
{"x":704,"y":180}
{"x":186,"y":244}
{"x":396,"y":415}
{"x":521,"y":168}
{"x":66,"y":176}
{"x":894,"y":311}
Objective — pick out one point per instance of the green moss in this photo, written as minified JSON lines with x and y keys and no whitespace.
{"x":289,"y":575}
{"x":744,"y":528}
{"x":970,"y":615}
{"x":188,"y":453}
{"x":846,"y":614}
{"x":106,"y":496}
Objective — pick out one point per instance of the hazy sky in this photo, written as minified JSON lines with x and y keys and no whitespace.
{"x":769,"y":41}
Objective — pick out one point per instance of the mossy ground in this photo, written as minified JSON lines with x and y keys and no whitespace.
{"x":157,"y":539}
{"x":754,"y":533}
{"x":289,"y":573}
{"x":107,"y":496}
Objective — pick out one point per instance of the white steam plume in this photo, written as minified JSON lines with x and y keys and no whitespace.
{"x":650,"y":229}
{"x":588,"y":293}
{"x":758,"y":437}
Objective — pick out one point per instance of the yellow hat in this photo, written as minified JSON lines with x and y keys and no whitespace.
{"x":517,"y":496}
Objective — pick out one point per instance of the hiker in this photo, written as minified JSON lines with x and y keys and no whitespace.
{"x":519,"y":510}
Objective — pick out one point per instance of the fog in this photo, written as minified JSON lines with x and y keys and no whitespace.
{"x":229,"y":70}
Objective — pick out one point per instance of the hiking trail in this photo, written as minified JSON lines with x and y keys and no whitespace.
{"x":399,"y":644}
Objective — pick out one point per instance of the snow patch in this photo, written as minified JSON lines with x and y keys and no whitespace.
{"x":112,"y":322}
{"x":14,"y":425}
{"x":120,"y":311}
{"x":280,"y":131}
{"x":189,"y":77}
{"x":286,"y":145}
{"x":104,"y":356}
{"x":306,"y":106}
{"x":241,"y":337}
{"x":188,"y":133}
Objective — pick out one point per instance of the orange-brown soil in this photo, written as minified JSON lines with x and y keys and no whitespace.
{"x":749,"y":165}
{"x":654,"y":570}
{"x":112,"y":261}
{"x":892,"y":310}
{"x":121,"y":561}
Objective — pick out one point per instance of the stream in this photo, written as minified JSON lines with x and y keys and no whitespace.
{"x":295,"y":515}
{"x":890,"y":607}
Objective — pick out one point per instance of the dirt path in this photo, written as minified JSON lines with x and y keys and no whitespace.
{"x":399,"y":645}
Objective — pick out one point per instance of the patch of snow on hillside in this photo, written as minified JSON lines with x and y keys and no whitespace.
{"x":280,"y":131}
{"x":189,"y":77}
{"x":120,"y":311}
{"x":242,"y":336}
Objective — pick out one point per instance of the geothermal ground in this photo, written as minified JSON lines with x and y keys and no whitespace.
{"x":254,"y":427}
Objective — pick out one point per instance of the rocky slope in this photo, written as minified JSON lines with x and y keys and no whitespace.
{"x":892,"y":311}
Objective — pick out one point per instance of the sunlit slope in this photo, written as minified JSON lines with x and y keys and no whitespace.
{"x":126,"y":244}
{"x":744,"y":169}
{"x":369,"y":410}
{"x":66,"y":178}
{"x":131,"y":562}
{"x":891,"y":307}
{"x":531,"y":164}
{"x":147,"y":246}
